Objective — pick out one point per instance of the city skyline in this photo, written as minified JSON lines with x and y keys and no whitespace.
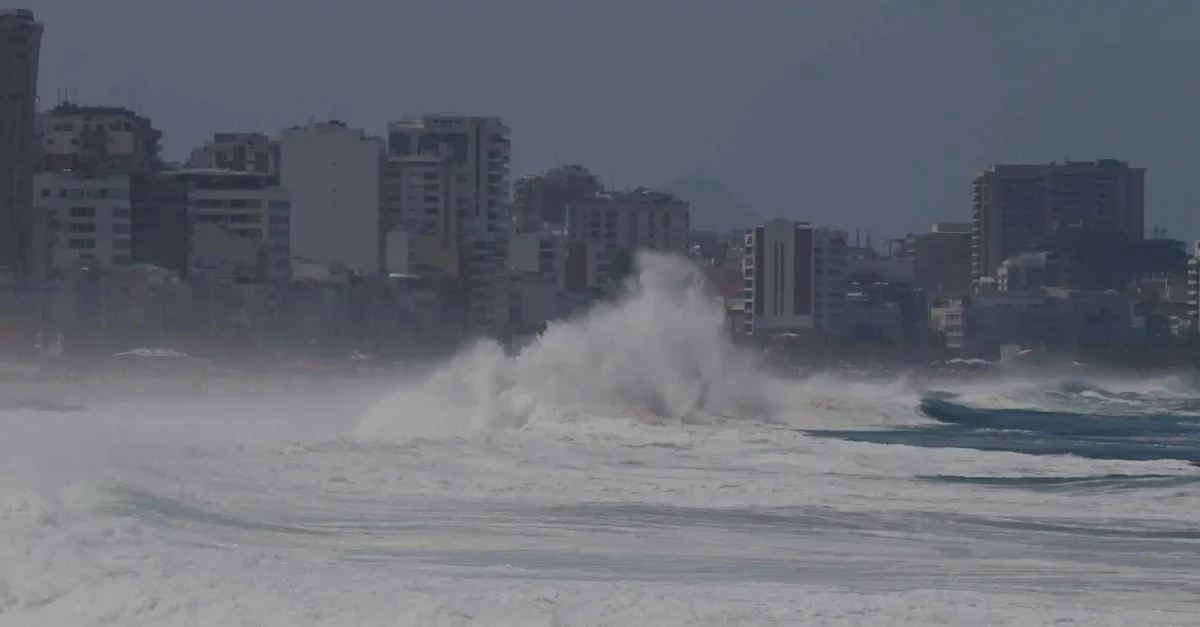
{"x":751,"y":113}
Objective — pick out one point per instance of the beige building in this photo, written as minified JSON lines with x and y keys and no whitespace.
{"x":1018,"y":206}
{"x":75,"y":137}
{"x":20,"y":47}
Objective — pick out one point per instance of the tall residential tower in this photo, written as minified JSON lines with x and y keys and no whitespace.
{"x":20,"y":48}
{"x":477,"y":150}
{"x":1017,"y":207}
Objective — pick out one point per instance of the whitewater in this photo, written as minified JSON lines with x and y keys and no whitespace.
{"x":631,"y":467}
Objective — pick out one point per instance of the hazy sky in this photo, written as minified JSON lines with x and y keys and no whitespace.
{"x":870,"y":113}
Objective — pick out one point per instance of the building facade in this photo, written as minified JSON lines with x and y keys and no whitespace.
{"x":1017,"y":207}
{"x":332,"y":173}
{"x":92,"y":217}
{"x":612,"y":227}
{"x":20,"y":50}
{"x":541,"y":201}
{"x":1193,"y":288}
{"x":240,"y":152}
{"x":419,"y":207}
{"x":942,"y":258}
{"x":795,"y":279}
{"x":478,"y":149}
{"x":248,"y":207}
{"x":75,"y":137}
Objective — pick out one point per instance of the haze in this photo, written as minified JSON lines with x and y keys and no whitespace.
{"x":871,"y":112}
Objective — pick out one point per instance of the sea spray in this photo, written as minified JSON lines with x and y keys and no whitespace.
{"x":661,"y":352}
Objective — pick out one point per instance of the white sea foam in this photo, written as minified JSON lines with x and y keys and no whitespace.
{"x":630,"y":468}
{"x":660,"y":353}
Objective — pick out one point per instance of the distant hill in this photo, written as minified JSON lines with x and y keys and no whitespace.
{"x":713,"y":206}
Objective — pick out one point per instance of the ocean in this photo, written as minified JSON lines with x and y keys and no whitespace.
{"x":631,"y":467}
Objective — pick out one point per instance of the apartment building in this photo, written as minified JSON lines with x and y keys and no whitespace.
{"x":419,"y":196}
{"x":91,"y":215}
{"x":75,"y":137}
{"x":477,"y":150}
{"x":541,"y":201}
{"x":942,"y":258}
{"x":252,"y":153}
{"x":333,"y":174}
{"x":1017,"y":207}
{"x":20,"y":49}
{"x":238,"y":211}
{"x":795,"y":279}
{"x":608,"y":230}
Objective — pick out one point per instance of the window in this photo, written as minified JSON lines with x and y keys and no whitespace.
{"x":121,"y":260}
{"x":83,"y":212}
{"x":121,"y":244}
{"x":82,"y":227}
{"x":121,"y":212}
{"x":121,"y":229}
{"x":83,"y":244}
{"x":45,"y":193}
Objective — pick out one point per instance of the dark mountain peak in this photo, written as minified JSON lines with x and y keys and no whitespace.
{"x":713,"y":206}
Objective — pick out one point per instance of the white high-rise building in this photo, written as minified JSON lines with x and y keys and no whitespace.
{"x":332,"y":174}
{"x":478,"y":151}
{"x":795,"y":278}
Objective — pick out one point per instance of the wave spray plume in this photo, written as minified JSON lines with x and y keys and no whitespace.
{"x":661,"y":352}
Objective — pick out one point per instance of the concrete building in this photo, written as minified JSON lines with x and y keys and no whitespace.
{"x":947,"y":318}
{"x":246,"y":206}
{"x":478,"y":148}
{"x":75,"y":137}
{"x":332,"y":172}
{"x":1031,"y":270}
{"x":612,"y":227}
{"x":540,"y":201}
{"x":240,"y":152}
{"x":92,"y":213}
{"x":21,"y":41}
{"x":1016,"y":207}
{"x":640,"y":219}
{"x":1193,"y":288}
{"x":419,"y":201}
{"x":942,"y":258}
{"x":795,"y":279}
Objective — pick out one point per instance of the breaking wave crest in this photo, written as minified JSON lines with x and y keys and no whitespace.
{"x":661,"y":353}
